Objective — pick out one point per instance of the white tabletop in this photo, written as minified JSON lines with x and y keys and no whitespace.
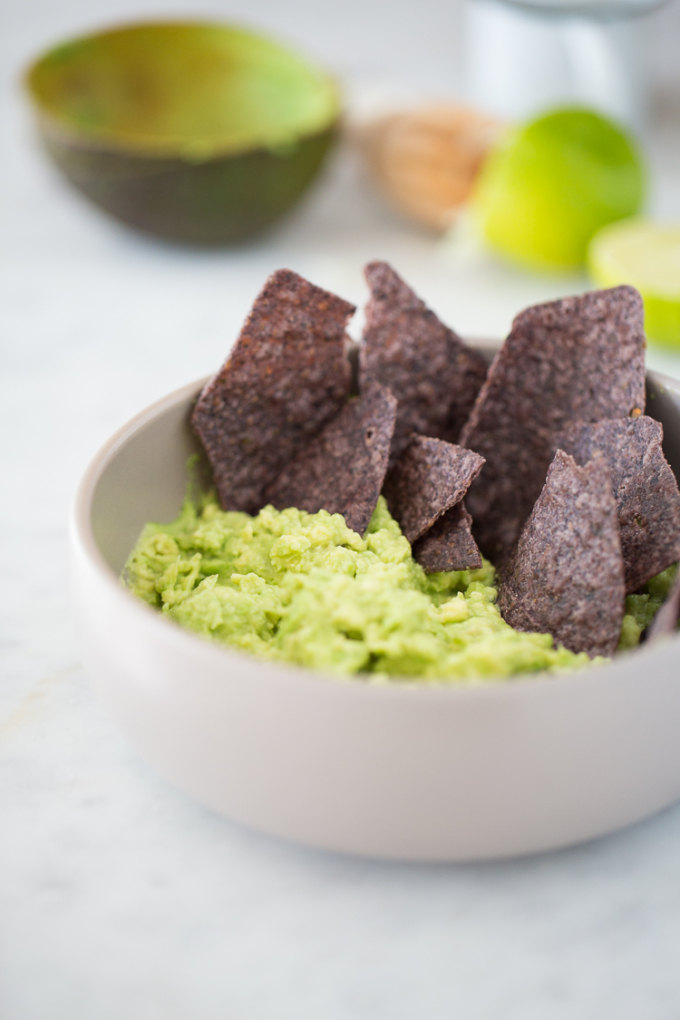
{"x":120,"y":899}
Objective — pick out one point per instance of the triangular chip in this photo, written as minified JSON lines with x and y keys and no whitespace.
{"x":428,"y":479}
{"x":287,"y":374}
{"x":432,"y":373}
{"x":343,"y":468}
{"x":448,"y":544}
{"x":578,"y":358}
{"x":566,"y":576}
{"x":644,"y":487}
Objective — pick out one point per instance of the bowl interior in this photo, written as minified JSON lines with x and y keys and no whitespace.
{"x":183,"y":88}
{"x":144,"y":474}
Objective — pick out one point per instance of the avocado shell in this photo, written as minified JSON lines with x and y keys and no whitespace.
{"x":199,"y":133}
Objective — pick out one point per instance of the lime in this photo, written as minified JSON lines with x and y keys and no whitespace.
{"x":646,"y":255}
{"x":553,"y":183}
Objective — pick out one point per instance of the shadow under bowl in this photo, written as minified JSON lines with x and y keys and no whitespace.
{"x":399,"y":770}
{"x":195,"y":132}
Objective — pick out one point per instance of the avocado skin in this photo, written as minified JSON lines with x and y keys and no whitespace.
{"x":221,"y":201}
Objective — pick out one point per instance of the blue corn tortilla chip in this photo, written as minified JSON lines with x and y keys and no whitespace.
{"x":286,"y":376}
{"x":448,"y":544}
{"x":566,"y":577}
{"x":580,"y":358}
{"x":645,"y":489}
{"x":428,"y":479}
{"x":342,"y":469}
{"x":432,"y":373}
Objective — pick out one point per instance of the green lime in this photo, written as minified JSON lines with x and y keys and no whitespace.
{"x":553,"y":183}
{"x":647,"y":256}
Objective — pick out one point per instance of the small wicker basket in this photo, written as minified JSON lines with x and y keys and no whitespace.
{"x":425,"y":161}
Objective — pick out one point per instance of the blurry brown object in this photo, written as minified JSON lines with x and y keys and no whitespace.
{"x":426,"y":160}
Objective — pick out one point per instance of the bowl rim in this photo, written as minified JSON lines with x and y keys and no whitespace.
{"x":83,"y":543}
{"x":59,"y":128}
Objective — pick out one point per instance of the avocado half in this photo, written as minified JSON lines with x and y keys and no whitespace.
{"x":200,"y":133}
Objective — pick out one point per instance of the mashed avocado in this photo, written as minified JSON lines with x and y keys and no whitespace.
{"x":303,"y":588}
{"x":641,"y":608}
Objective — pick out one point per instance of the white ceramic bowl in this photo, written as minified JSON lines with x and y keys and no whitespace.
{"x":400,"y":770}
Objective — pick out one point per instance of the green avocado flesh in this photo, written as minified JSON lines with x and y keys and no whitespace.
{"x":641,"y":608}
{"x":290,"y":586}
{"x":195,"y":90}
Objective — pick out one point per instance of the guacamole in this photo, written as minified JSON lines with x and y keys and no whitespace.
{"x":642,"y":607}
{"x":291,"y":586}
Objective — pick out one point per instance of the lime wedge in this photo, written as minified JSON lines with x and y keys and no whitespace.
{"x":646,"y":255}
{"x":553,"y":183}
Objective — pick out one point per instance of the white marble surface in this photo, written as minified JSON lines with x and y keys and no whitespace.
{"x":119,"y":898}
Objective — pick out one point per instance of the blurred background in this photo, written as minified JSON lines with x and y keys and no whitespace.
{"x":418,"y":48}
{"x":504,"y":59}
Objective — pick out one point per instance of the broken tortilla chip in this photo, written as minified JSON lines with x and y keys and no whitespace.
{"x":343,"y":468}
{"x":286,"y":376}
{"x":645,"y":490}
{"x":577,"y":358}
{"x":428,"y":479}
{"x":432,"y":373}
{"x":448,"y":544}
{"x":566,"y":577}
